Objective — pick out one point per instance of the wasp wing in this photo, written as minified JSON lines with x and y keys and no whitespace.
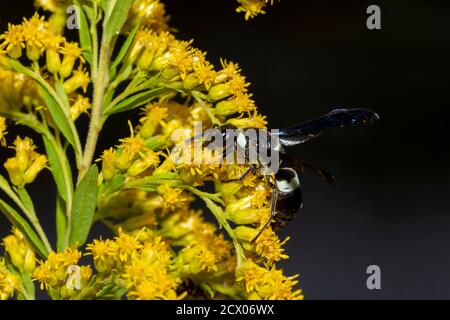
{"x":338,"y":118}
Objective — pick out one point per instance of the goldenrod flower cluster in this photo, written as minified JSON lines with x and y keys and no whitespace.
{"x":163,"y":248}
{"x":140,"y":263}
{"x":252,"y":8}
{"x":9,"y":283}
{"x":20,"y":252}
{"x":27,"y":163}
{"x":54,"y":274}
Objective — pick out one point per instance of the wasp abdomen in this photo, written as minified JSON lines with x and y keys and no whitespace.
{"x":290,"y":197}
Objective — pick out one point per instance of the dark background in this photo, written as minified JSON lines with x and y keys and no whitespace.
{"x":304,"y":58}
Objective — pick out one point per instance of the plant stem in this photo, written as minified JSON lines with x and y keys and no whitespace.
{"x":101,"y":82}
{"x":29,"y":214}
{"x":219,"y":215}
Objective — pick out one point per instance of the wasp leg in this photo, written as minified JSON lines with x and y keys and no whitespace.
{"x":244,"y":175}
{"x":273,"y":212}
{"x":325,"y":175}
{"x":248,"y":172}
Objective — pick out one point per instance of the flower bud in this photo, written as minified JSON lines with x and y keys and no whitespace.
{"x":191,"y":81}
{"x":221,"y":77}
{"x":160,"y":63}
{"x":219,"y":92}
{"x":86,"y":274}
{"x":247,"y":216}
{"x":239,"y":205}
{"x":143,"y":164}
{"x":67,"y":66}
{"x":170,"y":127}
{"x":53,"y":61}
{"x":80,"y":79}
{"x":67,"y":293}
{"x":29,"y":263}
{"x":146,"y":59}
{"x":15,"y":175}
{"x":15,"y":250}
{"x":124,"y":159}
{"x":80,"y":106}
{"x":226,"y":108}
{"x":135,"y":53}
{"x":170,"y":74}
{"x":228,"y":188}
{"x":34,"y":52}
{"x":15,"y":52}
{"x":245,"y":233}
{"x":108,"y":164}
{"x":35,"y":168}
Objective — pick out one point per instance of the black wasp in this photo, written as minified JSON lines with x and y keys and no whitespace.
{"x":287,"y":197}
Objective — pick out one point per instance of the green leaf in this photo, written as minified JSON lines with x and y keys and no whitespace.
{"x":53,"y":102}
{"x":156,"y":143}
{"x":26,"y":200}
{"x":104,"y":4}
{"x":84,"y":204}
{"x":20,"y":223}
{"x":111,"y":292}
{"x":60,"y":169}
{"x":136,"y":101}
{"x":28,"y":284}
{"x":153,"y":181}
{"x":116,"y":15}
{"x":221,"y":219}
{"x":114,"y":185}
{"x":125,"y":47}
{"x":84,"y":32}
{"x":58,"y":116}
{"x":59,"y":87}
{"x":216,"y":197}
{"x":61,"y":225}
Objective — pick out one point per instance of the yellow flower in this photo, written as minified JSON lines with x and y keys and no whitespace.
{"x":149,"y":49}
{"x":157,"y":251}
{"x":9,"y":283}
{"x":173,"y":198}
{"x":241,"y":103}
{"x":197,"y":164}
{"x":124,"y":247}
{"x":195,"y":259}
{"x":154,"y":113}
{"x":13,"y":41}
{"x":80,"y":106}
{"x":71,"y":52}
{"x":20,"y":252}
{"x":163,"y":287}
{"x":146,"y":161}
{"x":53,"y":46}
{"x":108,"y":159}
{"x":268,"y":284}
{"x":101,"y":253}
{"x":38,"y":164}
{"x":3,"y":131}
{"x":129,"y":151}
{"x":79,"y":79}
{"x":52,"y":273}
{"x":151,"y":13}
{"x":138,"y":271}
{"x":35,"y":30}
{"x":252,"y":8}
{"x":50,"y":5}
{"x":203,"y":70}
{"x":269,"y":246}
{"x":254,"y":121}
{"x":27,"y":163}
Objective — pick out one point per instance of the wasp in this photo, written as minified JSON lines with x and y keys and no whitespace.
{"x":287,"y":196}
